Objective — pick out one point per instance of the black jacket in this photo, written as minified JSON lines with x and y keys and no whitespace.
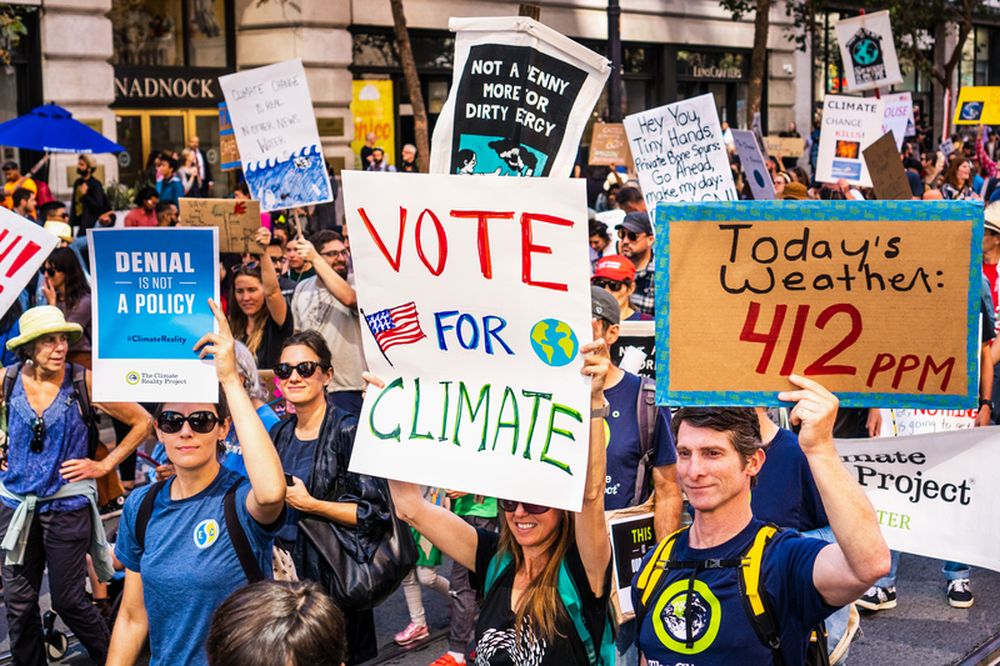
{"x":333,"y":453}
{"x":93,"y":204}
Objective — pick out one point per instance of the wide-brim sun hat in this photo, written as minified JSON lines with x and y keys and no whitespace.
{"x":992,"y":217}
{"x":43,"y":320}
{"x":60,"y":229}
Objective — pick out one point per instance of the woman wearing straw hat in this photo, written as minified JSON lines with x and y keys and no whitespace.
{"x":48,"y":497}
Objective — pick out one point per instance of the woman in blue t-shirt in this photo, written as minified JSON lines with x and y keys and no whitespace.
{"x":182,"y":563}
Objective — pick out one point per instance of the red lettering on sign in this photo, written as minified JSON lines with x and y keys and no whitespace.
{"x":820,"y":366}
{"x":769,"y":339}
{"x":528,"y":248}
{"x":441,"y":238}
{"x":393,"y":261}
{"x":483,"y":234}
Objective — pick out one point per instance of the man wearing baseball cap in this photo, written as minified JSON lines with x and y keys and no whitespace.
{"x":636,"y":242}
{"x":616,"y":274}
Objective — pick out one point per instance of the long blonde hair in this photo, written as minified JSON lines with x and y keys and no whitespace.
{"x":540,"y":601}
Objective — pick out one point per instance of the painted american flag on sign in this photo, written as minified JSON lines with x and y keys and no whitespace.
{"x":395,"y":326}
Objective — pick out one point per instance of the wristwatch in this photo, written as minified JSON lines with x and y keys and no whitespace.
{"x":601,"y":412}
{"x":986,"y":402}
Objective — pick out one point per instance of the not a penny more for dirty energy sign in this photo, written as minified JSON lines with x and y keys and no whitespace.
{"x":475,"y":302}
{"x":876,"y":300}
{"x":150,"y":304}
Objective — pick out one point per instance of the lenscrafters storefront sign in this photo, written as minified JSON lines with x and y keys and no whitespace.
{"x":167,"y":86}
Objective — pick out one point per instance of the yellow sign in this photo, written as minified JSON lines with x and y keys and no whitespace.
{"x":372,"y":109}
{"x":978,"y":105}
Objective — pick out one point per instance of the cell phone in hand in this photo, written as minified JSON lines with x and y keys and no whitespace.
{"x":289,"y":481}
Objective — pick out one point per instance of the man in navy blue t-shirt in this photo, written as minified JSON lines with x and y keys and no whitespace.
{"x":696,"y":616}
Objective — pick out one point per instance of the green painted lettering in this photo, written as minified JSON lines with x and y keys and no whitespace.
{"x":534,"y":415}
{"x":463,"y":398}
{"x":416,"y":413}
{"x":394,"y":434}
{"x":561,"y":409}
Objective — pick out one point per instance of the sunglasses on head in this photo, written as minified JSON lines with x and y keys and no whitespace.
{"x":607,"y":283}
{"x":305,"y":369}
{"x":250,"y":266}
{"x":172,"y":422}
{"x":626,"y":233}
{"x":37,"y":435}
{"x":510,"y":506}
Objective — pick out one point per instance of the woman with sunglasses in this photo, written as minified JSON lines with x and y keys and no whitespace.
{"x":67,"y":288}
{"x":49,"y":511}
{"x":523,"y":612}
{"x":313,"y":444}
{"x":185,"y":563}
{"x":258,"y":312}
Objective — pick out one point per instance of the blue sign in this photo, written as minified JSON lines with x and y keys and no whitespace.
{"x":152,"y":289}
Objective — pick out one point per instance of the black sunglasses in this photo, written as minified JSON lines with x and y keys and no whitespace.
{"x":510,"y":506}
{"x":625,"y":233}
{"x":48,"y":270}
{"x":305,"y":369}
{"x":172,"y":422}
{"x":607,"y":283}
{"x":37,"y":435}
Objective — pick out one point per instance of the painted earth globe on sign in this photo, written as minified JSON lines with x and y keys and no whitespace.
{"x":554,"y":342}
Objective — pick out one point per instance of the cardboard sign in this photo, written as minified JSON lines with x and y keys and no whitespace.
{"x":781,"y":147}
{"x":753,"y":165}
{"x":631,"y":538}
{"x":520,"y":98}
{"x":978,"y":105}
{"x":609,"y":145}
{"x":373,"y":111}
{"x":229,"y":152}
{"x":749,"y":293}
{"x":151,"y":287}
{"x":679,"y":153}
{"x":275,"y":128}
{"x":935,"y":495}
{"x":24,"y":247}
{"x":897,"y":116}
{"x":886,"y":169}
{"x":635,"y":349}
{"x":475,"y":301}
{"x":238,"y":221}
{"x":868,"y":52}
{"x":850,"y":124}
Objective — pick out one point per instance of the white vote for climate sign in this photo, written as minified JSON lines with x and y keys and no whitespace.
{"x":679,"y":153}
{"x":475,"y":302}
{"x":935,"y":495}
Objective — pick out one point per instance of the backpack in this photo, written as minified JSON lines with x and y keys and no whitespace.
{"x":238,"y":537}
{"x":604,"y":654}
{"x":647,"y":412}
{"x":651,"y":583}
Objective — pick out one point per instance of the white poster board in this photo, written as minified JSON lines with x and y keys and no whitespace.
{"x":275,"y":128}
{"x":935,"y":495}
{"x":475,"y":300}
{"x":753,"y":165}
{"x":679,"y":153}
{"x":868,"y":52}
{"x":24,"y":246}
{"x":520,"y":98}
{"x":849,"y":125}
{"x":897,"y":116}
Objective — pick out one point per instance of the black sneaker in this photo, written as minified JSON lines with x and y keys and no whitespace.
{"x":880,"y":598}
{"x":960,"y":593}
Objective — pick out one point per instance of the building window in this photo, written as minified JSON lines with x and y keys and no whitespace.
{"x":376,"y":50}
{"x":974,"y":69}
{"x":189,"y":33}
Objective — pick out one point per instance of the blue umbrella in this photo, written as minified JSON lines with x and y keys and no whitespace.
{"x":52,"y":129}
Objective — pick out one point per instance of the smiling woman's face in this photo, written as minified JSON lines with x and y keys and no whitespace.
{"x":186,"y":447}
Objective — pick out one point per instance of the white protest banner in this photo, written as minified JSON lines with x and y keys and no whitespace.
{"x":752,"y":162}
{"x":679,"y":153}
{"x":868,"y":52}
{"x":151,"y":287}
{"x":24,"y":246}
{"x":904,"y":422}
{"x":272,"y":117}
{"x":850,"y":124}
{"x":935,"y":495}
{"x":897,"y":116}
{"x":475,"y":298}
{"x":520,"y":98}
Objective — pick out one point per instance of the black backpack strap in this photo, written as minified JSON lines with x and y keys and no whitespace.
{"x":646,"y":413}
{"x":251,"y":568}
{"x":82,"y":396}
{"x":9,"y":380}
{"x":145,"y":512}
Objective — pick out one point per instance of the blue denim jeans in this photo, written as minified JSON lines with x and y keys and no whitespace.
{"x":951,"y":570}
{"x":628,"y":652}
{"x":836,"y":624}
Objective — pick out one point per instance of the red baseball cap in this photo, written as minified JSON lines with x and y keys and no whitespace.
{"x":615,"y":267}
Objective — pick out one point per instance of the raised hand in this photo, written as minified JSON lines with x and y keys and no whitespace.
{"x":221,"y":345}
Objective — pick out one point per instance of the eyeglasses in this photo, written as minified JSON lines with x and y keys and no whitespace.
{"x":37,"y":435}
{"x":305,"y":369}
{"x":335,"y":253}
{"x":626,"y":233}
{"x":607,"y":283}
{"x":510,"y":506}
{"x":250,"y":266}
{"x":172,"y":422}
{"x":51,"y":272}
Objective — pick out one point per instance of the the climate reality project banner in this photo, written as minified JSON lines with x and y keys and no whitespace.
{"x":475,"y":302}
{"x":150,"y":303}
{"x":272,"y":117}
{"x":520,"y":98}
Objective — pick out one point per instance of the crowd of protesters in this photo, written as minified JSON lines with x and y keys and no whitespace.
{"x":528,"y":584}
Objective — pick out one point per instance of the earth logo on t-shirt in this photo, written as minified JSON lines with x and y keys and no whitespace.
{"x":206,"y":533}
{"x":671,"y":608}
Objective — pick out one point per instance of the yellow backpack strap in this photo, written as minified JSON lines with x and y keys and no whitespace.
{"x":752,"y":588}
{"x":651,"y":574}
